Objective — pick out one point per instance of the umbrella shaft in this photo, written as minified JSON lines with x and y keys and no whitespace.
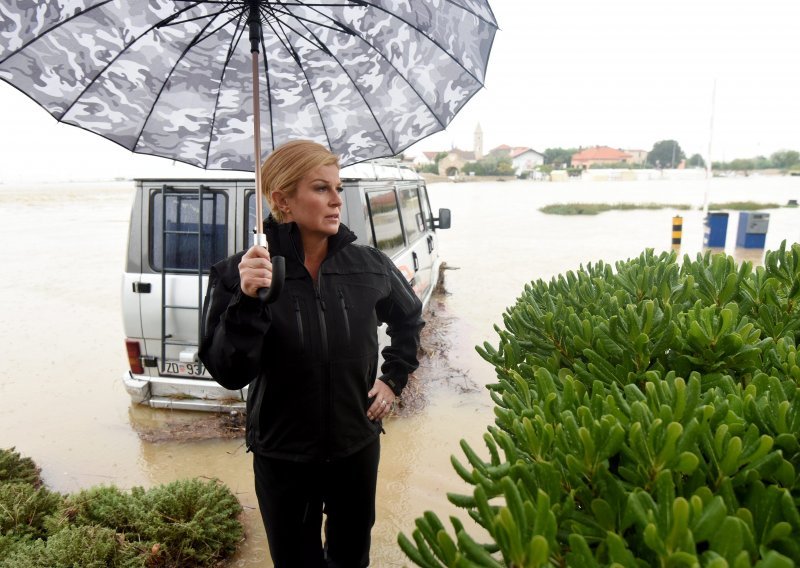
{"x":254,"y":23}
{"x":257,"y":148}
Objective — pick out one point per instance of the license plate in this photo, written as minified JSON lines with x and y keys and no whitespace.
{"x":190,"y":369}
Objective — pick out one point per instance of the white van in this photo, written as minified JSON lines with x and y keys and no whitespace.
{"x":170,"y":253}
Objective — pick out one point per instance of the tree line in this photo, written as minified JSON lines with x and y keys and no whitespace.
{"x":666,"y":154}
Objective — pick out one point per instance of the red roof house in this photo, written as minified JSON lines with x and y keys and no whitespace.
{"x":600,"y":155}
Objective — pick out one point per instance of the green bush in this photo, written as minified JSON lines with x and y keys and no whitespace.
{"x":645,"y":416}
{"x":85,"y":547}
{"x":14,"y":467}
{"x":187,"y":523}
{"x":104,"y":506}
{"x":24,"y":509}
{"x":194,"y":521}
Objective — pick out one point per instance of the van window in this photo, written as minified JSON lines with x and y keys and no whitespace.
{"x":384,"y":216}
{"x":180,"y":234}
{"x":426,"y":207}
{"x":413,"y":222}
{"x":251,"y":217}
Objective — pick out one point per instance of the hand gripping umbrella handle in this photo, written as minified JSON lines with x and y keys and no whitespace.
{"x":269,"y":295}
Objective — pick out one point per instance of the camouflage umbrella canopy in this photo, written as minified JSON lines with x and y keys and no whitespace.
{"x":172,"y":78}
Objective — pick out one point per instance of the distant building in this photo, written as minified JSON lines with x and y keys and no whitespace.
{"x":600,"y":155}
{"x":525,"y":160}
{"x":501,"y":150}
{"x":478,"y":143}
{"x":454,"y":162}
{"x":425,"y":159}
{"x":638,"y":156}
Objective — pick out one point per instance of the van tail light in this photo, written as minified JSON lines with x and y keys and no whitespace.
{"x":134,"y":356}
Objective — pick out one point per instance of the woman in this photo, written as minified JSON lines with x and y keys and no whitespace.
{"x":314,"y":406}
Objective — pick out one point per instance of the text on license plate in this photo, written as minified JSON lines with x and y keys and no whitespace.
{"x":191,"y":369}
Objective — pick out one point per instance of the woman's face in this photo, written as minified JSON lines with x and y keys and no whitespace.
{"x":316,"y":204}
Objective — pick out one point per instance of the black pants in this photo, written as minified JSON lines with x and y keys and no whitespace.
{"x":292,"y":497}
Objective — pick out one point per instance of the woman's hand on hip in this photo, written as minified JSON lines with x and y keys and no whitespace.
{"x":382,"y":404}
{"x":255,"y":270}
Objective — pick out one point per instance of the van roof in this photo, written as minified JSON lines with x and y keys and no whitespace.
{"x":370,"y":170}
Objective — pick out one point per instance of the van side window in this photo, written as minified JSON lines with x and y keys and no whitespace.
{"x":385,"y":219}
{"x":413,"y":222}
{"x":426,"y":207}
{"x":251,"y":217}
{"x":174,"y":226}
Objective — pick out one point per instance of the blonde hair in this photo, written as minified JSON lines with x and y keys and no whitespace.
{"x":287,"y":165}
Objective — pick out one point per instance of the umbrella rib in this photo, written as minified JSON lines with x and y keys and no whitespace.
{"x":171,"y":21}
{"x":336,"y":28}
{"x":55,"y":26}
{"x":296,"y":57}
{"x":105,"y":68}
{"x":166,"y":80}
{"x":269,"y":100}
{"x":284,"y":39}
{"x":234,"y":42}
{"x":393,"y":66}
{"x":368,"y":3}
{"x":433,"y":41}
{"x":363,"y":98}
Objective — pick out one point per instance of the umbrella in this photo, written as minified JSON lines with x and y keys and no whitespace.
{"x":183,"y":80}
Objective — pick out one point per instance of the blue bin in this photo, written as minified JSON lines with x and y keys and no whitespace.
{"x":752,"y":232}
{"x":716,"y":228}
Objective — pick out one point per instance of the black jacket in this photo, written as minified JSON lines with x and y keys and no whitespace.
{"x":311,"y":356}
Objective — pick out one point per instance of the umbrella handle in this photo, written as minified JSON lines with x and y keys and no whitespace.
{"x":269,"y":295}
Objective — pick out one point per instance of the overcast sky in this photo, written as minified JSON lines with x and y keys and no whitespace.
{"x":622,"y":73}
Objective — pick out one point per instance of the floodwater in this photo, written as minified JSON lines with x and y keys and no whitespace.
{"x":62,"y":354}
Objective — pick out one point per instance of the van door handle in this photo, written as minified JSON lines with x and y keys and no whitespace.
{"x":430,"y":243}
{"x":415,"y":258}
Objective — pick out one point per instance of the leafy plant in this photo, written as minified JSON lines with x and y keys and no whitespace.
{"x":646,"y":415}
{"x":15,"y":468}
{"x":186,"y":523}
{"x":24,"y":508}
{"x":85,"y":546}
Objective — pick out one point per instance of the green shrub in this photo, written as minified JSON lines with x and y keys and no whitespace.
{"x":15,"y":468}
{"x":11,"y":542}
{"x":184,"y":524}
{"x":595,"y":208}
{"x":24,"y":508}
{"x":187,"y":522}
{"x":195,"y":522}
{"x":105,"y":506}
{"x":743,"y":206}
{"x":85,"y":547}
{"x":645,"y":416}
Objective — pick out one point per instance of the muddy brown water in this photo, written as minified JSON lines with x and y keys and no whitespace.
{"x":62,"y":354}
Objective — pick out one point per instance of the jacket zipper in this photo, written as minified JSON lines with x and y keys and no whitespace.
{"x":323,"y":328}
{"x":346,"y":315}
{"x":298,"y":315}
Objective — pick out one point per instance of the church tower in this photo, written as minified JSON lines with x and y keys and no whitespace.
{"x":478,"y":147}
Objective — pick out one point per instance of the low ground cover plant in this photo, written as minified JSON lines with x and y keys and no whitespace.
{"x":647,"y":414}
{"x":186,"y":523}
{"x":596,"y":208}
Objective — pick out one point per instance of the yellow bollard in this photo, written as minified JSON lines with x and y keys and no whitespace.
{"x":677,"y":229}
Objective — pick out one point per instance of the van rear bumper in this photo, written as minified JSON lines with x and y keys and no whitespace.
{"x":182,"y":394}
